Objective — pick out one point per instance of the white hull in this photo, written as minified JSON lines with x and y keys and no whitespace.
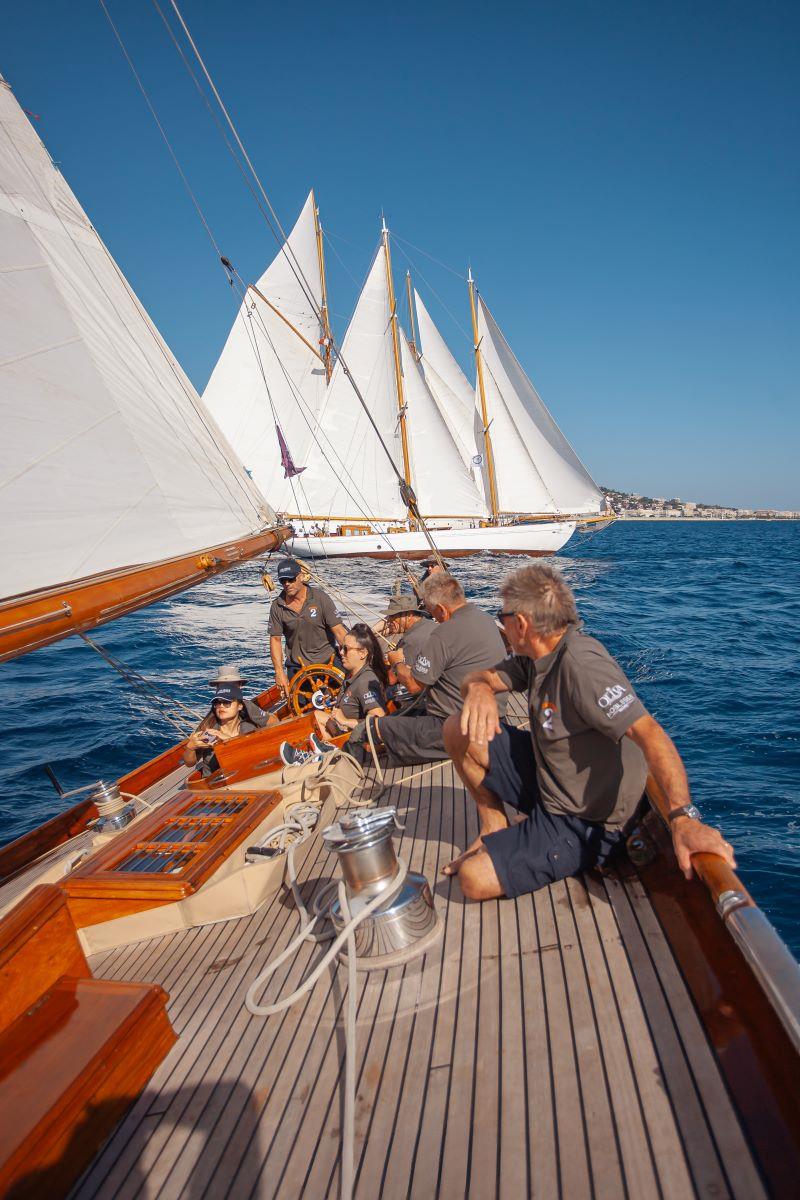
{"x":536,"y":540}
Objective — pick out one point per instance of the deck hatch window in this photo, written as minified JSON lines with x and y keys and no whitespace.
{"x":149,"y":860}
{"x":189,"y":831}
{"x":215,"y":808}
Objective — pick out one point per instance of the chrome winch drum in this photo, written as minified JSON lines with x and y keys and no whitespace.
{"x":407,"y":924}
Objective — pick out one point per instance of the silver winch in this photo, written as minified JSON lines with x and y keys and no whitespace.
{"x":114,"y":811}
{"x":407,"y":923}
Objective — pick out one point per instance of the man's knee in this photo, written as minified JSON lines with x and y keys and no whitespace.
{"x":478,"y":878}
{"x":455,"y":742}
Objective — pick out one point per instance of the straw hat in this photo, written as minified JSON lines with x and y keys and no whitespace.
{"x":228,"y":674}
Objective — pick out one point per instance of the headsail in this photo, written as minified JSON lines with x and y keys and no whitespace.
{"x":348,"y":474}
{"x":443,"y":483}
{"x":269,"y":376}
{"x":108,"y":458}
{"x":452,"y":391}
{"x":537,"y":469}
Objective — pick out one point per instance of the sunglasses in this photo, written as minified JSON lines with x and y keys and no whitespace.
{"x":500,"y":615}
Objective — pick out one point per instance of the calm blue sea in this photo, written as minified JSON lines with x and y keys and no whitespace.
{"x":704,"y":617}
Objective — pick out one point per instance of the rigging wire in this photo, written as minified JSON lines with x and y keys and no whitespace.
{"x":438,"y":261}
{"x":142,"y":685}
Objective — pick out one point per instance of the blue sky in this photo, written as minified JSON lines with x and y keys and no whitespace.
{"x":623,"y":179}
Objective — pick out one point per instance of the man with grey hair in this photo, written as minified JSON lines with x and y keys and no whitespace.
{"x":578,"y":775}
{"x":465,"y":639}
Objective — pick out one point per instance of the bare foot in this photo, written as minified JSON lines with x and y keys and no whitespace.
{"x":453,"y":867}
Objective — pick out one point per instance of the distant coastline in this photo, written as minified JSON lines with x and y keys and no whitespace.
{"x":629,"y":506}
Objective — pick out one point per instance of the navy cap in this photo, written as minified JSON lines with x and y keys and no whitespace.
{"x":288,"y":568}
{"x":228,"y":691}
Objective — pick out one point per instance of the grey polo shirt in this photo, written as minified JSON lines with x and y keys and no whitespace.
{"x":415,"y":639}
{"x":581,"y":705}
{"x":308,"y":633}
{"x":469,"y":641}
{"x":360,"y":694}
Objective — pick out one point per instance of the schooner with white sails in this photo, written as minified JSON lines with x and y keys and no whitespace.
{"x":488,"y":465}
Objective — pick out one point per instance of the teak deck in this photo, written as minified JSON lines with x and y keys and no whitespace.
{"x":546,"y":1047}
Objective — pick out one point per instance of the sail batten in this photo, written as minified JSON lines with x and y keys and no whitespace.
{"x":108,"y":458}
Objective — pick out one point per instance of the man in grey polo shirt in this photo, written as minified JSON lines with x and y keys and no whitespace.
{"x":578,"y":775}
{"x":465,"y":639}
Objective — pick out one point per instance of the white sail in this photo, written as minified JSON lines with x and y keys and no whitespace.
{"x":443,"y":483}
{"x":536,"y":468}
{"x":452,"y":391}
{"x":108,"y":458}
{"x":348,"y":472}
{"x":267,"y":374}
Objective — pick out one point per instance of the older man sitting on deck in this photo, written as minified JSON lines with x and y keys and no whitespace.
{"x":578,"y":775}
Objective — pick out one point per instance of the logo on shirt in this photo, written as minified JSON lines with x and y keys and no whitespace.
{"x":371,"y":698}
{"x":422,"y":664}
{"x":312,"y":612}
{"x":611,"y":694}
{"x":548,"y":711}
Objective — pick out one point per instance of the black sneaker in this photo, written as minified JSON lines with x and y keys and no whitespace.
{"x":293,"y":756}
{"x":321,"y":747}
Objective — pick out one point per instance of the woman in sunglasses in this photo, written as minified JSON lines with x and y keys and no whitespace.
{"x":227,"y":718}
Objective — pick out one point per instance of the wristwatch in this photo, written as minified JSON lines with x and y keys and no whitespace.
{"x":686,"y":810}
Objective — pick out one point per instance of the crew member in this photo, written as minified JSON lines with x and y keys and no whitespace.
{"x":226,"y":719}
{"x":306,"y":617}
{"x":403,"y":618}
{"x":578,"y":775}
{"x":230,"y":675}
{"x":464,"y":640}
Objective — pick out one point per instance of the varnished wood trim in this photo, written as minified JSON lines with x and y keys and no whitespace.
{"x":38,"y":944}
{"x":33,"y":620}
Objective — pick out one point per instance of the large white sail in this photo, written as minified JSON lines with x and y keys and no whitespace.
{"x":267,"y":376}
{"x":348,"y":473}
{"x":108,"y":457}
{"x":443,"y":484}
{"x":536,"y":468}
{"x":452,"y":391}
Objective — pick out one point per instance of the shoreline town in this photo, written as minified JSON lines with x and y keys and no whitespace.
{"x":630,"y":506}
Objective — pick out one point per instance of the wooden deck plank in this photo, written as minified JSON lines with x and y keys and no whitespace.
{"x":623,"y":1096}
{"x":592,"y":1079}
{"x":401,"y":1149}
{"x":570,"y":1126}
{"x":426,"y":1158}
{"x":459,"y":1124}
{"x":542,"y":1147}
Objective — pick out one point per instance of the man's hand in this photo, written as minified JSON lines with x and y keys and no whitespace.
{"x":693,"y":837}
{"x":480,"y":719}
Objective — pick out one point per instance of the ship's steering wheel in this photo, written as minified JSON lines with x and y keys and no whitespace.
{"x":314,"y":686}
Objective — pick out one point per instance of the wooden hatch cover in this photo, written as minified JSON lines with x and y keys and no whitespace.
{"x":165,"y":857}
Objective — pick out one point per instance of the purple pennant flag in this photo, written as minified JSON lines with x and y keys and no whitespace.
{"x":289,"y":469}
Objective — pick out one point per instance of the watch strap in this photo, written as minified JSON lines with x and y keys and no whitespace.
{"x":686,"y":810}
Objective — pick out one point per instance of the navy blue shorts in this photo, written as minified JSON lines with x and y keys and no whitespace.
{"x":546,"y":846}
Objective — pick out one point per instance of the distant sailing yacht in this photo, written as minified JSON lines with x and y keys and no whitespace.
{"x":488,"y":466}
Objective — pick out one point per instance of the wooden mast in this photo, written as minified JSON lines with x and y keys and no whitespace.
{"x":398,"y":370}
{"x":487,"y":439}
{"x":326,"y":325}
{"x":413,"y":339}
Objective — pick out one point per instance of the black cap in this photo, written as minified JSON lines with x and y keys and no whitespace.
{"x":288,"y":568}
{"x":228,"y":691}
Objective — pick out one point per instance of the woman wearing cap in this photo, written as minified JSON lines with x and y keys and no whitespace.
{"x":364,"y":686}
{"x":227,"y":718}
{"x":230,"y":674}
{"x":306,"y":618}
